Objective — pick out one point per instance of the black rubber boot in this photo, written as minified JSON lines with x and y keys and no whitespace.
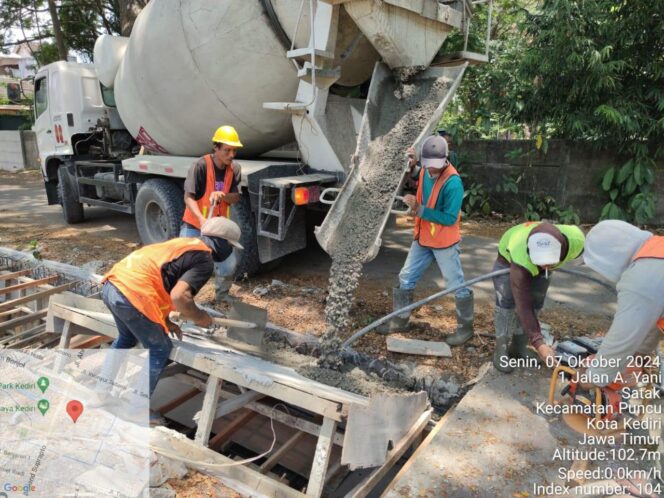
{"x":400,"y":299}
{"x":519,"y":346}
{"x":465,"y":312}
{"x":503,"y":321}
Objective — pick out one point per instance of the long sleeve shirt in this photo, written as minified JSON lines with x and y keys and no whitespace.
{"x":448,"y":203}
{"x":634,"y":330}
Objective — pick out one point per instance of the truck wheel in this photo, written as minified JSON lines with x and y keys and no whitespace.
{"x":249,"y":264}
{"x":72,"y":209}
{"x":159,"y":209}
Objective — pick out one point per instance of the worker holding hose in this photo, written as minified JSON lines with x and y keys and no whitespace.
{"x":530,"y":251}
{"x":212,"y":184}
{"x":143,"y":288}
{"x":437,"y":209}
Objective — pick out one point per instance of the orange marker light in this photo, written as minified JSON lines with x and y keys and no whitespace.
{"x":300,"y":196}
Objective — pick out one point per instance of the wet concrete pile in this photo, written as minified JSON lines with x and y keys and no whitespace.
{"x":399,"y":120}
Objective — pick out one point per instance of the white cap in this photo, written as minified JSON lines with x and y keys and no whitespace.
{"x":611,"y":246}
{"x":223,"y":228}
{"x":543,"y":249}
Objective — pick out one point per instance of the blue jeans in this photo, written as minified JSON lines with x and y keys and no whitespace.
{"x":418,"y":260}
{"x":223,"y":270}
{"x":134,"y":327}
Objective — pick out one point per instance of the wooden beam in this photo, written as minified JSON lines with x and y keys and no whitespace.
{"x":29,"y":340}
{"x":174,"y":403}
{"x":87,"y":342}
{"x":422,"y":447}
{"x":367,"y":485}
{"x":9,"y":324}
{"x":321,"y":458}
{"x":7,"y":313}
{"x":238,"y":422}
{"x":9,"y":276}
{"x":27,"y":285}
{"x":290,"y":420}
{"x":26,"y":333}
{"x":214,"y":464}
{"x":208,"y":410}
{"x":276,"y":455}
{"x":237,"y":402}
{"x":33,"y":297}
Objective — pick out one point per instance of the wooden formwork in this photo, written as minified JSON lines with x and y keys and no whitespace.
{"x":232,"y":390}
{"x":24,"y":296}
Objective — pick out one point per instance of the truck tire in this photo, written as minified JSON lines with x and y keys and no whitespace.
{"x":159,"y":208}
{"x":248,"y":262}
{"x":72,"y":209}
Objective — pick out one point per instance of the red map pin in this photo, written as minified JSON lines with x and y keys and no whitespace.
{"x":74,"y":409}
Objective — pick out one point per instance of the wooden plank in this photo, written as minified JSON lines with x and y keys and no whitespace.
{"x":87,"y":342}
{"x":238,"y":422}
{"x":237,"y":402}
{"x":95,"y":325}
{"x":276,"y":455}
{"x":174,"y":403}
{"x":366,"y":486}
{"x":26,"y":333}
{"x":10,"y":313}
{"x":15,"y":274}
{"x":287,"y":419}
{"x":283,"y":392}
{"x":9,"y":324}
{"x":321,"y":458}
{"x":27,"y":285}
{"x":217,"y":465}
{"x":415,"y":346}
{"x":208,"y":410}
{"x":33,"y":297}
{"x":29,"y":340}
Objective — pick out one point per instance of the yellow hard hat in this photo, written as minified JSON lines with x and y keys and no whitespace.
{"x":227,"y":135}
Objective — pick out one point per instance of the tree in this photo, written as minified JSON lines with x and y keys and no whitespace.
{"x":65,"y":24}
{"x":582,"y":70}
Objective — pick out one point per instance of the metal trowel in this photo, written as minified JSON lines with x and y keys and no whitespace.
{"x":243,"y":312}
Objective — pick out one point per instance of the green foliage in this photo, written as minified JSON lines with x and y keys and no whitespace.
{"x":81,"y":22}
{"x":573,"y":69}
{"x":476,"y":200}
{"x":539,"y":207}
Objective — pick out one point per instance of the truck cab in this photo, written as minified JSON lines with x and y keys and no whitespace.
{"x":71,"y":111}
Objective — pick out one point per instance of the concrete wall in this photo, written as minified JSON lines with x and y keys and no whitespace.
{"x":570,"y":172}
{"x":11,"y":151}
{"x":18,"y":150}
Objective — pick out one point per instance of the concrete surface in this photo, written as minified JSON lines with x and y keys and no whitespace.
{"x":497,"y":442}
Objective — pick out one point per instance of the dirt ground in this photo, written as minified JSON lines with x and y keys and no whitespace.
{"x":293,"y":301}
{"x":195,"y":485}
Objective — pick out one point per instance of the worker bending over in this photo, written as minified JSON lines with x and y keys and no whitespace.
{"x":530,"y":251}
{"x":437,"y":209}
{"x":214,"y":180}
{"x":633,"y":259}
{"x":143,"y":288}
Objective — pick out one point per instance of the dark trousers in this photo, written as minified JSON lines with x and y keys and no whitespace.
{"x":134,"y":327}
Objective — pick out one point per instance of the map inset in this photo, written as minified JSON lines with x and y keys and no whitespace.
{"x":74,"y":423}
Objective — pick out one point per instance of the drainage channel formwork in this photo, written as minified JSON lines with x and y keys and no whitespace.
{"x":225,"y":403}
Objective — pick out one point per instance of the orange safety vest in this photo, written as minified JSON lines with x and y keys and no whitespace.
{"x":653,"y":248}
{"x":430,"y":234}
{"x":138,"y":276}
{"x":222,"y":209}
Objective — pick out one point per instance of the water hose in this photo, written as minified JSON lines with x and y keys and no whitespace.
{"x":360,"y":333}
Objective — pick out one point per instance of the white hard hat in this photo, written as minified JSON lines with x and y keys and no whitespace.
{"x":611,"y":246}
{"x":543,"y":249}
{"x":223,"y":228}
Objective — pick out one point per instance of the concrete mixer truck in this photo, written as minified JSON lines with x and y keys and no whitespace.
{"x":123,"y":132}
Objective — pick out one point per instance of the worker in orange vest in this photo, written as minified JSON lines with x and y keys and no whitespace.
{"x":214,"y":181}
{"x":143,"y":288}
{"x":633,"y":259}
{"x":437,"y":209}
